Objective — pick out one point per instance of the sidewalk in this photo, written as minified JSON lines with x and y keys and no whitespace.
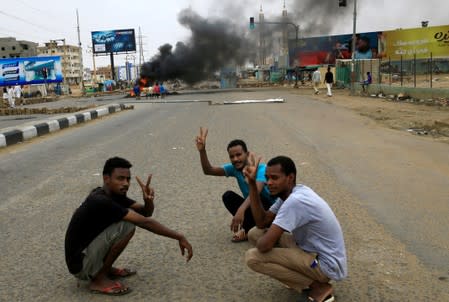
{"x":15,"y":128}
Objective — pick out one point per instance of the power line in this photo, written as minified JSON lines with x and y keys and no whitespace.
{"x":26,"y":21}
{"x":35,"y":8}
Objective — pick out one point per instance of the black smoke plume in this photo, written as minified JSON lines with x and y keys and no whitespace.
{"x":321,"y":17}
{"x":213,"y":44}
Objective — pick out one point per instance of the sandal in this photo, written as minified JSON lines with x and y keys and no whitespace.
{"x":121,"y":273}
{"x":329,"y":298}
{"x":117,"y":289}
{"x":240,"y":236}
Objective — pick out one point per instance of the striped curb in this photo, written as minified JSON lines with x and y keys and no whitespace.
{"x":24,"y":133}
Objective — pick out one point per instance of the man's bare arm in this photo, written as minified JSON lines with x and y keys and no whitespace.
{"x":154,"y":226}
{"x":208,"y":169}
{"x":269,"y":239}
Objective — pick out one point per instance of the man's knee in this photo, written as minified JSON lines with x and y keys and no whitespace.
{"x":230,"y":197}
{"x":252,"y":258}
{"x":254,"y":234}
{"x":125,"y":230}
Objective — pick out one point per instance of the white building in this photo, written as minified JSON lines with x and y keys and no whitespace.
{"x":70,"y":59}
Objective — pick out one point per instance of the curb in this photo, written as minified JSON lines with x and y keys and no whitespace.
{"x":24,"y":133}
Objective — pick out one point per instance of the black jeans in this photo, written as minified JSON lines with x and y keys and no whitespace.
{"x":233,"y":201}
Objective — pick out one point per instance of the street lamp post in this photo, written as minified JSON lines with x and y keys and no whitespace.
{"x":90,"y":50}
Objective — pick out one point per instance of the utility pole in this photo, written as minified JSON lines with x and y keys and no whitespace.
{"x":80,"y":54}
{"x":353,"y":48}
{"x":141,"y":57}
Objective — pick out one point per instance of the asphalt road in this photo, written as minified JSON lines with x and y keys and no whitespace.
{"x":388,"y":189}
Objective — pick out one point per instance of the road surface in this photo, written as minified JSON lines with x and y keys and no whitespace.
{"x":388,"y":189}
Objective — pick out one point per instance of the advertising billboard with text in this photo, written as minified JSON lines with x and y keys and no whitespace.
{"x":115,"y":41}
{"x":33,"y":70}
{"x":421,"y":42}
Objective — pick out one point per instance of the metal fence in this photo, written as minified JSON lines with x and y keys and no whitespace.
{"x":405,"y":72}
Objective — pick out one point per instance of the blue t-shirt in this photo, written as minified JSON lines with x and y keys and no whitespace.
{"x":314,"y":227}
{"x":230,"y":170}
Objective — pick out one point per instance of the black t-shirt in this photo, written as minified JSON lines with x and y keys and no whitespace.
{"x":95,"y":214}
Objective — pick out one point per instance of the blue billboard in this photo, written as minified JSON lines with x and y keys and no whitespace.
{"x":115,"y":41}
{"x":33,"y":70}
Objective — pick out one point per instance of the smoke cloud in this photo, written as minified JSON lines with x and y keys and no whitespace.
{"x":320,"y":17}
{"x":213,"y":44}
{"x":217,"y":42}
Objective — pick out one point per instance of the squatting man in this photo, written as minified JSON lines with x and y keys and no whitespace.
{"x":299,"y":240}
{"x":102,"y":226}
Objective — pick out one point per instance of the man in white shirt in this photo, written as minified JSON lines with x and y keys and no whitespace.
{"x":18,"y":93}
{"x":311,"y":248}
{"x":11,"y":97}
{"x":316,"y":80}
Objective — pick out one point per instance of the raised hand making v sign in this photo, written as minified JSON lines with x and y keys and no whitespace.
{"x":242,"y":218}
{"x":148,"y":196}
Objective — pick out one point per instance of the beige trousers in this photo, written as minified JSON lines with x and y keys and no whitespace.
{"x":286,"y":263}
{"x":316,"y":86}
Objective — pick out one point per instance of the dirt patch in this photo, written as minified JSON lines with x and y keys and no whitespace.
{"x":415,"y":118}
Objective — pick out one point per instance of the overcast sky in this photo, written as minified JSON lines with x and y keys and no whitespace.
{"x":40,"y":21}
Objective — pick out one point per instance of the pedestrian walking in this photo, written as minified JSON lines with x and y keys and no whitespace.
{"x":329,"y":80}
{"x":5,"y":96}
{"x":11,"y":101}
{"x":18,"y":94}
{"x":316,"y":80}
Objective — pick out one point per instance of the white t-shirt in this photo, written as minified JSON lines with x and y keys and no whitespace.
{"x":314,"y":227}
{"x":316,"y":76}
{"x":17,"y":91}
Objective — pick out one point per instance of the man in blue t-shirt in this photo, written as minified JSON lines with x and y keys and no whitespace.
{"x":303,"y":246}
{"x":237,"y":205}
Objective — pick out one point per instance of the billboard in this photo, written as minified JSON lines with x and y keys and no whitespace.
{"x":32,"y":70}
{"x":121,"y":40}
{"x":421,"y":42}
{"x":327,"y":49}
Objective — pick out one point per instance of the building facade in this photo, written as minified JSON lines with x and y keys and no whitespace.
{"x":12,"y":48}
{"x":70,"y":59}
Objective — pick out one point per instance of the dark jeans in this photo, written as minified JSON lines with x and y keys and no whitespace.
{"x":233,"y":201}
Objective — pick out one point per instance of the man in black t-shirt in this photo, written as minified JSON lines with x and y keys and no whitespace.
{"x":329,"y":80}
{"x":102,"y":226}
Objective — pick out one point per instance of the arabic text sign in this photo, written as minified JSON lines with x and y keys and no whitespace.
{"x":420,"y":41}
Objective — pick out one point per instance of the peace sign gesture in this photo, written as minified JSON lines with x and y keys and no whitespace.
{"x":250,"y":170}
{"x":201,"y":139}
{"x":147,"y":191}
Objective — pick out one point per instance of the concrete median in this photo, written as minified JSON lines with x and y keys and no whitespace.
{"x":15,"y":135}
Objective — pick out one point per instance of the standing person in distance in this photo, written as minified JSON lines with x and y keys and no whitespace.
{"x":329,"y":80}
{"x":316,"y":80}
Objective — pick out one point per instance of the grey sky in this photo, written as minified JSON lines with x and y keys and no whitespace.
{"x":42,"y":20}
